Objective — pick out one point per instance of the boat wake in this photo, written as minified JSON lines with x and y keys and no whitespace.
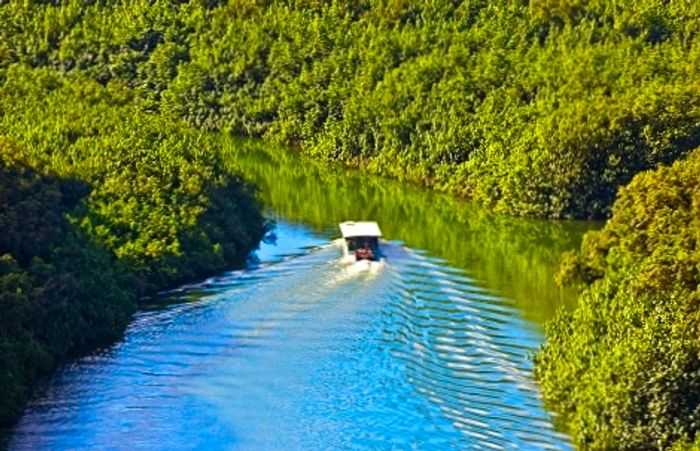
{"x":309,"y":353}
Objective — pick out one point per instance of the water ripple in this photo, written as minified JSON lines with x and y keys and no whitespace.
{"x":308,"y":354}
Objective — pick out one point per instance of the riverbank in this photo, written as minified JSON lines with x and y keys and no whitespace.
{"x":534,"y":109}
{"x":100,"y":204}
{"x":623,"y":369}
{"x":303,"y":352}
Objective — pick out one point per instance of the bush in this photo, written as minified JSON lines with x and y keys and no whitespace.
{"x":623,"y":369}
{"x":58,"y":290}
{"x":541,"y":108}
{"x":100,"y":203}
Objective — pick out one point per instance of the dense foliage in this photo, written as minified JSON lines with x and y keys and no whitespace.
{"x":624,"y":367}
{"x":100,"y":203}
{"x":515,"y":257}
{"x":58,"y":291}
{"x":537,"y":108}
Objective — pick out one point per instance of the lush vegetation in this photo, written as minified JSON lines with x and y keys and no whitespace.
{"x":541,"y":108}
{"x":100,"y":203}
{"x":516,"y":257}
{"x":624,"y":367}
{"x":58,"y":290}
{"x":537,"y":107}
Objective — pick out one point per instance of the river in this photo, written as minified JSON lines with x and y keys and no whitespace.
{"x":298,"y":351}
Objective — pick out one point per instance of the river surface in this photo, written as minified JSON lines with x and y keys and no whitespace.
{"x":429,"y":350}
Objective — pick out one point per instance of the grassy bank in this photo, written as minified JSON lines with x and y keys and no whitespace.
{"x":100,"y":203}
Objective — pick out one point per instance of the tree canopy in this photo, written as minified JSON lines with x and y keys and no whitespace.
{"x":539,"y":108}
{"x":624,"y":367}
{"x":100,"y":203}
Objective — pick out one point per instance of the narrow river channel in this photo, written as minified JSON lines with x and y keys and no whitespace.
{"x":429,"y":351}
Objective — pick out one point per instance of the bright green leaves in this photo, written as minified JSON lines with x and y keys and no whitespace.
{"x":100,"y":203}
{"x":151,"y":178}
{"x":543,"y":108}
{"x":624,"y":368}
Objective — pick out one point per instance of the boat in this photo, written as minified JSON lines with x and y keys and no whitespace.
{"x":361,"y":240}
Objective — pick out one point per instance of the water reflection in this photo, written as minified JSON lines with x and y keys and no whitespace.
{"x":302,"y":352}
{"x":515,"y":257}
{"x":305,"y":352}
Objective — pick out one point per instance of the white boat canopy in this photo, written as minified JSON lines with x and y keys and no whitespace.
{"x":353,"y":229}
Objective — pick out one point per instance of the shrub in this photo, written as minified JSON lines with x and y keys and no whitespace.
{"x":100,"y":203}
{"x":623,"y":369}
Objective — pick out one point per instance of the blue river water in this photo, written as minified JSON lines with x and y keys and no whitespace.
{"x":301,"y":351}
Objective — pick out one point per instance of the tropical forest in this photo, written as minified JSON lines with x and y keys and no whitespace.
{"x":173,"y":174}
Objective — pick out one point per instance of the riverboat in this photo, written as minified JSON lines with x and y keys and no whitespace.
{"x":361,"y":240}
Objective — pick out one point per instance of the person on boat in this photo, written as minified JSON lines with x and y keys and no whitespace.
{"x":370,"y":251}
{"x":364,"y":252}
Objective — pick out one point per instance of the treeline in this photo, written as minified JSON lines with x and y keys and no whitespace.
{"x":540,"y":108}
{"x":623,"y":369}
{"x":100,"y":204}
